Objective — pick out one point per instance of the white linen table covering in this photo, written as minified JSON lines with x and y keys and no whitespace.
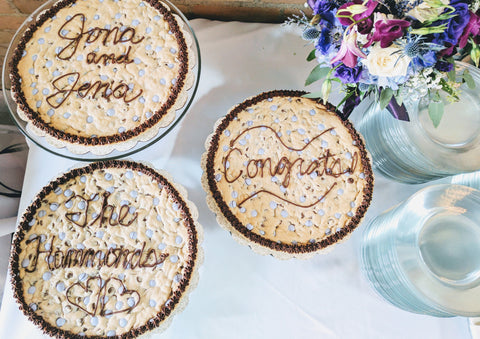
{"x":242,"y":294}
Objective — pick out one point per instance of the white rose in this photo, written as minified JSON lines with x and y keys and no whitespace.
{"x":387,"y":62}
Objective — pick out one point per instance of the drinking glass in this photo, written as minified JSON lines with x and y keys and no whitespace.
{"x":423,"y":255}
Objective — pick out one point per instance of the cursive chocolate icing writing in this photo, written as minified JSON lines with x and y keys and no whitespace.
{"x":320,"y":199}
{"x":124,"y":58}
{"x":57,"y":258}
{"x":74,"y":31}
{"x":66,"y":84}
{"x":325,"y":164}
{"x":103,"y":295}
{"x":108,"y":213}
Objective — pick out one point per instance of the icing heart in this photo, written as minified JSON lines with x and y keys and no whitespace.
{"x":117,"y":299}
{"x":86,"y":296}
{"x":99,"y":296}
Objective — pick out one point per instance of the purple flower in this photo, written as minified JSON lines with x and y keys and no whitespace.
{"x":326,"y":10}
{"x":346,"y":17}
{"x":348,"y":75}
{"x":324,"y":42}
{"x":387,"y":31}
{"x":448,"y":51}
{"x":322,"y":6}
{"x":425,"y":60}
{"x":473,"y":27}
{"x":365,"y":26}
{"x":443,"y":66}
{"x":458,"y":22}
{"x":455,"y":25}
{"x":349,"y":50}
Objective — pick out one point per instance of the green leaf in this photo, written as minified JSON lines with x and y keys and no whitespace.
{"x":435,"y":3}
{"x":435,"y":112}
{"x":452,"y":75}
{"x":445,"y":16}
{"x":311,"y":56}
{"x":313,"y":95}
{"x":475,"y":54}
{"x":467,"y":77}
{"x":429,"y":30}
{"x":399,"y":99}
{"x":317,"y":73}
{"x":385,"y":97}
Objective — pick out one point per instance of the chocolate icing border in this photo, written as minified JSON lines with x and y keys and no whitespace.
{"x":189,"y":222}
{"x":258,"y":239}
{"x":32,"y":115}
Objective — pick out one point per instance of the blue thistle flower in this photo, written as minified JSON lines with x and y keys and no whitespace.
{"x":310,"y":33}
{"x":412,"y":49}
{"x":422,"y":53}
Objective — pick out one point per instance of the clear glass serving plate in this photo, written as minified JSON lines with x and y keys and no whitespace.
{"x":163,"y":135}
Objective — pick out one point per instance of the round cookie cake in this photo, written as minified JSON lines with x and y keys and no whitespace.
{"x":100,"y":75}
{"x":286,"y":175}
{"x":107,"y":250}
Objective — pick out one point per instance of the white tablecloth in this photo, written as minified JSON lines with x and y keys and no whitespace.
{"x":242,"y":294}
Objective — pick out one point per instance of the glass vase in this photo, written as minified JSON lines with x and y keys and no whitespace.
{"x":416,"y":151}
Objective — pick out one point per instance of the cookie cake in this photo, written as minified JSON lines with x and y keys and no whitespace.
{"x":100,"y":75}
{"x":286,"y":176}
{"x":111,"y":249}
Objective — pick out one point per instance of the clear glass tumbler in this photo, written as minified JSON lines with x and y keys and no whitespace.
{"x":415,"y":151}
{"x":423,"y":255}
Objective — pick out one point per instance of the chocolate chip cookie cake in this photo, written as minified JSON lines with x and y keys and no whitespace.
{"x":107,"y":250}
{"x":286,"y":175}
{"x":99,"y":75}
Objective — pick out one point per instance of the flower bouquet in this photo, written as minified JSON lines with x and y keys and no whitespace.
{"x":392,"y":49}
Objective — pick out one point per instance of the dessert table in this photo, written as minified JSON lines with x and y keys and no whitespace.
{"x":241,"y":294}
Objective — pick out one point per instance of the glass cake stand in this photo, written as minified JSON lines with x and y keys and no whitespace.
{"x":164,"y":134}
